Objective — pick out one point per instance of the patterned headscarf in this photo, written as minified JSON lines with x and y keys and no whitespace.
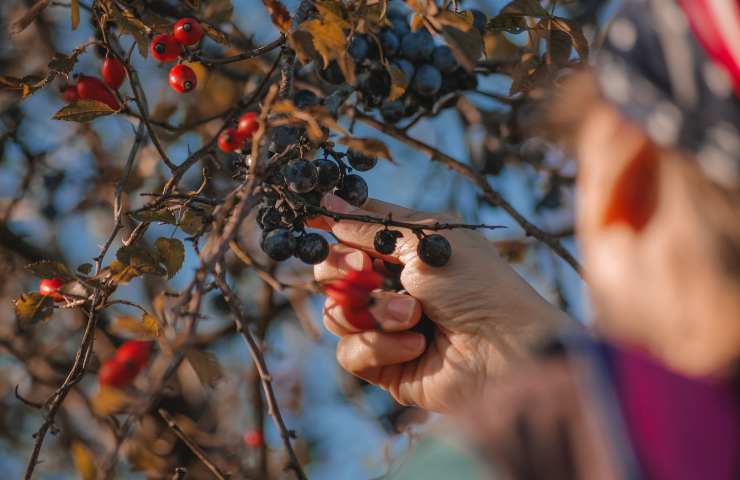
{"x":673,"y":68}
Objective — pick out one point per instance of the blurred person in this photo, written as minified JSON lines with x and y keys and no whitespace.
{"x":654,"y":393}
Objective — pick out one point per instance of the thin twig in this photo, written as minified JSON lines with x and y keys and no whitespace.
{"x":197,"y":451}
{"x":237,"y":310}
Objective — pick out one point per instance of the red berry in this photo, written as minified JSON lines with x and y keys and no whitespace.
{"x":361,"y":319}
{"x":248,"y":124}
{"x":93,"y":88}
{"x":135,"y":352}
{"x":49,"y":287}
{"x":117,"y":374}
{"x":230,"y":140}
{"x":113,"y":72}
{"x":165,"y":48}
{"x":188,"y":31}
{"x":69,"y":93}
{"x":183,"y":79}
{"x":253,"y":439}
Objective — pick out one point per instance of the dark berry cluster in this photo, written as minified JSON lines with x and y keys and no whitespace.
{"x":168,"y":47}
{"x":430,"y":71}
{"x":294,"y":190}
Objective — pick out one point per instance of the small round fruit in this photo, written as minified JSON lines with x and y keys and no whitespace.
{"x":417,"y":46}
{"x":49,"y":287}
{"x":305,"y":99}
{"x":230,"y":140}
{"x":428,"y":81}
{"x":444,"y":59}
{"x":407,"y":68}
{"x":385,"y":241}
{"x":358,"y":48}
{"x":188,"y":31}
{"x":353,"y":190}
{"x":69,"y":93}
{"x":390,"y":42}
{"x":136,"y":352}
{"x":360,"y":161}
{"x":434,"y":250}
{"x":93,"y":88}
{"x":301,"y":176}
{"x":183,"y":79}
{"x":114,"y":373}
{"x":253,"y":439}
{"x":248,"y":124}
{"x":332,"y":74}
{"x":278,"y":244}
{"x":312,"y":248}
{"x":113,"y":72}
{"x":400,"y":26}
{"x":328,"y":174}
{"x":392,"y":111}
{"x":165,"y":48}
{"x":375,"y":84}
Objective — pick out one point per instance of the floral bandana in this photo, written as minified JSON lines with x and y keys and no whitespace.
{"x":674,"y":69}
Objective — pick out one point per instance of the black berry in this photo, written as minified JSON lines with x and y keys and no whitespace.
{"x":301,"y":176}
{"x":428,"y":81}
{"x":390,"y":42}
{"x":375,"y":85}
{"x":400,"y":26}
{"x":329,"y":174}
{"x":385,"y":241}
{"x":434,"y":250}
{"x":360,"y":161}
{"x":358,"y":48}
{"x":406,"y":67}
{"x":279,"y":244}
{"x":353,"y":190}
{"x":312,"y":199}
{"x":332,"y":74}
{"x":417,"y":46}
{"x":312,"y":248}
{"x":305,"y":99}
{"x":444,"y":60}
{"x":392,"y":111}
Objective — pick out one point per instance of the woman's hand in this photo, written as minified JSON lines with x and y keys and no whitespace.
{"x":485,"y":314}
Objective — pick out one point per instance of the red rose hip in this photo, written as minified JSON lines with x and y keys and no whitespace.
{"x":117,"y":374}
{"x":113,"y":72}
{"x":165,"y":48}
{"x":69,"y":94}
{"x":248,"y":124}
{"x":135,"y":352}
{"x":230,"y":140}
{"x":49,"y":287}
{"x":183,"y":79}
{"x":93,"y":88}
{"x":188,"y":31}
{"x":253,"y":439}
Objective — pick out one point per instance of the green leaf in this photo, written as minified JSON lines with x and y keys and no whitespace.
{"x":50,"y":269}
{"x":32,"y":307}
{"x":192,"y":221}
{"x":122,"y":273}
{"x":141,"y":259}
{"x":162,"y":215}
{"x":206,"y":366}
{"x":171,"y":253}
{"x":83,"y":111}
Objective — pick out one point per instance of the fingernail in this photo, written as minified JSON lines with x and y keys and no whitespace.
{"x":336,"y":204}
{"x":402,"y":308}
{"x":355,"y":260}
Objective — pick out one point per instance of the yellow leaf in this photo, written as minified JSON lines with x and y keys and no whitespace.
{"x":206,"y":366}
{"x":278,"y":14}
{"x":110,"y":400}
{"x":399,"y":82}
{"x":171,"y":253}
{"x":83,"y":111}
{"x":83,"y":460}
{"x":331,"y":12}
{"x":32,"y":307}
{"x":145,"y":329}
{"x":328,"y":39}
{"x":367,"y":146}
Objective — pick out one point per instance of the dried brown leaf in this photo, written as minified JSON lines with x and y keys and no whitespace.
{"x":27,"y":18}
{"x":83,"y":111}
{"x":279,"y":14}
{"x":368,"y":146}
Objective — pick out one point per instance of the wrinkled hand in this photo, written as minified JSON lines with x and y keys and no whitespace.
{"x":484,"y":313}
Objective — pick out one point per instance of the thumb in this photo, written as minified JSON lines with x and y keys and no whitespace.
{"x":360,"y":234}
